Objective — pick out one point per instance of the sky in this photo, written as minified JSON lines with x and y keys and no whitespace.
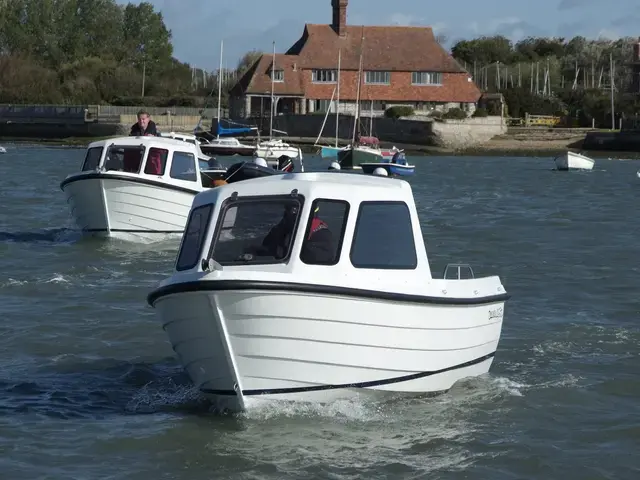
{"x":198,"y":26}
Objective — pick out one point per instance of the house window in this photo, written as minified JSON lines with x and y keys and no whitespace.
{"x":322,"y":105}
{"x":324,"y":76}
{"x":183,"y":167}
{"x":426,"y":78}
{"x":325,"y":232}
{"x":389,"y":223}
{"x":277,"y":75}
{"x":194,"y":237}
{"x":379,"y":78}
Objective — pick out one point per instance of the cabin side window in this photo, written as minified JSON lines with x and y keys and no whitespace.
{"x":156,"y":161}
{"x":183,"y":167}
{"x":256,"y":230}
{"x":124,"y":159}
{"x":325,"y":232}
{"x":193,"y":237}
{"x":383,"y":237}
{"x":92,"y":159}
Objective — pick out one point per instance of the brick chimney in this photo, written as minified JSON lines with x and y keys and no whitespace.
{"x":339,"y":16}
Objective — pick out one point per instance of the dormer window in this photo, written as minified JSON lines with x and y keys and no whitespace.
{"x":277,"y":75}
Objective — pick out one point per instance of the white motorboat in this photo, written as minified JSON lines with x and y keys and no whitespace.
{"x":574,"y":161}
{"x":228,"y":146}
{"x":137,"y":187}
{"x":344,"y":302}
{"x":2,"y":149}
{"x":272,"y":150}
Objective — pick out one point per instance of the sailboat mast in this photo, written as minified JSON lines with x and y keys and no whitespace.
{"x":338,"y":99}
{"x":613,"y":117}
{"x":273,"y":67}
{"x":220,"y":88}
{"x":355,"y":123}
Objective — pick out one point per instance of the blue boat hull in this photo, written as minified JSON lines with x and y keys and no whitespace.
{"x":329,"y":152}
{"x":391,"y":168}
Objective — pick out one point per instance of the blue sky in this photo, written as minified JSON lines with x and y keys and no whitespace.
{"x":199,"y":25}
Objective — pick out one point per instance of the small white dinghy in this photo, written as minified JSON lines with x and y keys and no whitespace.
{"x":316,"y":286}
{"x":574,"y":161}
{"x":2,"y":149}
{"x":135,"y":188}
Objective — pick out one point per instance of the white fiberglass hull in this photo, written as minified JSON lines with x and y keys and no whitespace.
{"x":272,"y":154}
{"x":288,"y":345}
{"x":574,"y":161}
{"x":113,"y":205}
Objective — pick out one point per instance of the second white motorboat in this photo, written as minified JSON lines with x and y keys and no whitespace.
{"x":137,"y":187}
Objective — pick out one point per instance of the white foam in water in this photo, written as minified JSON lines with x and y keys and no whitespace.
{"x":358,"y":408}
{"x":156,"y":395}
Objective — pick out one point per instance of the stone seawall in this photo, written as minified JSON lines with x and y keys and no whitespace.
{"x":624,"y":141}
{"x":452,"y":134}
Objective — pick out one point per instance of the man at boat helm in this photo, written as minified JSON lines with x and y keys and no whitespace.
{"x":317,"y":248}
{"x":144,"y":126}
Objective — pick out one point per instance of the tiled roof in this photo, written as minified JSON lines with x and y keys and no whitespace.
{"x":257,"y":79}
{"x":390,"y":48}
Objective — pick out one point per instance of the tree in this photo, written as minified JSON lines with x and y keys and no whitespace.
{"x":247,"y":60}
{"x":146,"y":38}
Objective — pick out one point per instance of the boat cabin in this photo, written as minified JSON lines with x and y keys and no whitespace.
{"x":371,"y":142}
{"x":361,"y":228}
{"x":153,"y":158}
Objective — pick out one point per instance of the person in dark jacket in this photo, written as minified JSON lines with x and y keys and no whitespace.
{"x":318,"y":248}
{"x":144,"y":126}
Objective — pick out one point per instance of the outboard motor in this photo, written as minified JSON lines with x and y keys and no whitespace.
{"x":285,"y":164}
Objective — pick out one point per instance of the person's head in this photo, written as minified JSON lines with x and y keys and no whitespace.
{"x":290,"y":214}
{"x":219,"y":183}
{"x":143,"y":118}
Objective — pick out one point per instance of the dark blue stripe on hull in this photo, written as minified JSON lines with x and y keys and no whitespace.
{"x":370,"y":384}
{"x":126,"y":230}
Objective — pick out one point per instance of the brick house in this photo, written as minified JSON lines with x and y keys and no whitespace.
{"x":401,"y":66}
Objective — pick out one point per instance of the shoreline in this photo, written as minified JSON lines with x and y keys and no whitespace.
{"x":502,"y":146}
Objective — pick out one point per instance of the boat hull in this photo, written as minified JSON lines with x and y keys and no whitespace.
{"x":272,"y":154}
{"x":574,"y":161}
{"x":115,"y":206}
{"x":227,"y":151}
{"x":330,"y":152}
{"x":391,"y":168}
{"x":284,"y":345}
{"x":351,"y":159}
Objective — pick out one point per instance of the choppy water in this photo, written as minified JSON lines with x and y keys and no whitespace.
{"x":89,"y":388}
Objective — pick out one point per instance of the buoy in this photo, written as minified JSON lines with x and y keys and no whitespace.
{"x":380,"y":171}
{"x":334,"y":166}
{"x":260,"y":161}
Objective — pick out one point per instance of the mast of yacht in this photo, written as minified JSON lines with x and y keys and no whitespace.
{"x":338,"y":99}
{"x":220,"y":89}
{"x":273,"y":67}
{"x":357,"y":115}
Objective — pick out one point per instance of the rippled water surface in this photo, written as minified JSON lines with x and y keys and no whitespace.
{"x":89,"y":386}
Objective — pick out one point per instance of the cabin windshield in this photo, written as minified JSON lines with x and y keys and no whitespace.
{"x":256,"y":230}
{"x":124,"y":158}
{"x":92,"y":159}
